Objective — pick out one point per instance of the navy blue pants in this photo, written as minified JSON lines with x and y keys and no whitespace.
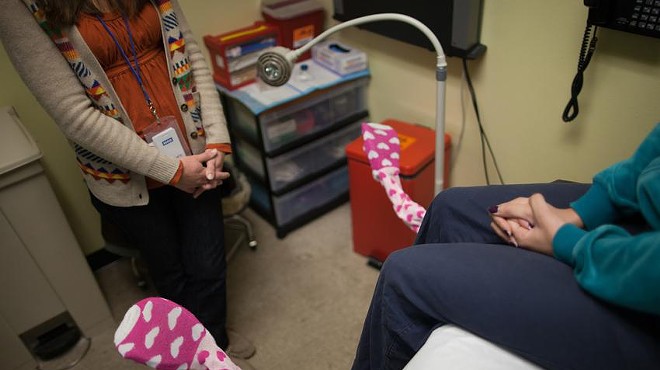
{"x":460,"y":272}
{"x":181,"y":240}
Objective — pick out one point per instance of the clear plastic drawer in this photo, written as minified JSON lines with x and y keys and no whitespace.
{"x":312,"y":158}
{"x":301,"y":163}
{"x":309,"y":197}
{"x":288,"y":123}
{"x":283,"y":126}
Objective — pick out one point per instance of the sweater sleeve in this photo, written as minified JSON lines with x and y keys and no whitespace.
{"x":213,"y":118}
{"x":607,"y":261}
{"x":614,"y":193}
{"x":55,"y":85}
{"x":613,"y":265}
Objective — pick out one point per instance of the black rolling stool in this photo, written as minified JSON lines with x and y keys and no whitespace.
{"x":117,"y":243}
{"x":235,"y":199}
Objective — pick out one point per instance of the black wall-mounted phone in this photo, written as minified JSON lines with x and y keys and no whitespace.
{"x":636,"y":16}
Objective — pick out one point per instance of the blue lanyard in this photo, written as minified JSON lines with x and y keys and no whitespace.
{"x":135,"y":70}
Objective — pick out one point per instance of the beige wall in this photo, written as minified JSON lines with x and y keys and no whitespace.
{"x":522,"y":85}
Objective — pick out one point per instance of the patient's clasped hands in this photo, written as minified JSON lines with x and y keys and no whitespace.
{"x":531,"y":223}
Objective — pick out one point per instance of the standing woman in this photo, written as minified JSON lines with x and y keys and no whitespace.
{"x":112,"y":74}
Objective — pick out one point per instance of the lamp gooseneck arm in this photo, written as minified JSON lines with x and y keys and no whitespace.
{"x":441,"y":62}
{"x":441,"y":76}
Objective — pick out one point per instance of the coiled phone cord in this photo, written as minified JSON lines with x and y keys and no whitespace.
{"x":586,"y":52}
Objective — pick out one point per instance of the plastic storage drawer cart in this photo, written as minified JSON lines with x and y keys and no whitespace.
{"x":294,"y":153}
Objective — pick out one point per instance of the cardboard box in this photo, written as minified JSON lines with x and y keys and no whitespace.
{"x":234,"y":54}
{"x":339,"y":57}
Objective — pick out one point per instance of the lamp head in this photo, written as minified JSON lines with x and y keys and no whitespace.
{"x":275,"y":66}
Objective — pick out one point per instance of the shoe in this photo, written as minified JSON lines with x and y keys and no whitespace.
{"x":242,"y":363}
{"x":239,"y":346}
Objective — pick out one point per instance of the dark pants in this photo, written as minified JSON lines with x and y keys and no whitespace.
{"x":181,"y":240}
{"x":461,"y":273}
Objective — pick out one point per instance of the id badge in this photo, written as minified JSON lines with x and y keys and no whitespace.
{"x":166,"y":136}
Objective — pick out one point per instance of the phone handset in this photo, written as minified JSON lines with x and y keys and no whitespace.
{"x":598,"y":10}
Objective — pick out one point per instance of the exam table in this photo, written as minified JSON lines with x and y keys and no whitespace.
{"x":450,"y":347}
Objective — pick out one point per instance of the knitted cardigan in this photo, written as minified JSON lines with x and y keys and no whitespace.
{"x":67,"y":80}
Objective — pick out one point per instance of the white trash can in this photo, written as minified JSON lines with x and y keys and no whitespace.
{"x":48,"y":294}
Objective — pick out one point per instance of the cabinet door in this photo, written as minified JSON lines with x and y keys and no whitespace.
{"x":26,"y":296}
{"x":36,"y":216}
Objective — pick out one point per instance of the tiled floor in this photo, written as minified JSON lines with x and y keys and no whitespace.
{"x":301,"y":299}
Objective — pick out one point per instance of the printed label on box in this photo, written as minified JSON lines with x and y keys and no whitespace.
{"x":303,"y":35}
{"x":233,"y":52}
{"x":219,"y":61}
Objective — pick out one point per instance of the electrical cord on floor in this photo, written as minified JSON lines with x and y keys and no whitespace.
{"x":586,"y":52}
{"x":485,"y":143}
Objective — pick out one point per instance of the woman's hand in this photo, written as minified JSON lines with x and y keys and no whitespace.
{"x":214,"y":173}
{"x":548,"y":221}
{"x":505,"y":215}
{"x":197,"y":177}
{"x":531,"y":222}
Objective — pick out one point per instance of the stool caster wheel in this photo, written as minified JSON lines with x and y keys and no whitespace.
{"x":371,"y":261}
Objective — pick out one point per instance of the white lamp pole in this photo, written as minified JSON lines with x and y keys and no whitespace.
{"x":275,"y":65}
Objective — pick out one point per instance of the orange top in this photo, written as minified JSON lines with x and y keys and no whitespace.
{"x":147,"y":38}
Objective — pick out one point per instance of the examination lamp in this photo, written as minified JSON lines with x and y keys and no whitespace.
{"x":275,"y":66}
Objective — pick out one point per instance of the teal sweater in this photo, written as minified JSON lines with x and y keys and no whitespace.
{"x":608,"y":262}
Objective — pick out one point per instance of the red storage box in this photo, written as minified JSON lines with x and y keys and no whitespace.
{"x":299,"y":21}
{"x":377,"y":231}
{"x":234,"y":54}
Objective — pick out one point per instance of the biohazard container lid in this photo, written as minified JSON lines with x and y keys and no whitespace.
{"x":417,"y":146}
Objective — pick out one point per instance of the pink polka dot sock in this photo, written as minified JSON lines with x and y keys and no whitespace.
{"x":383,"y":149}
{"x":163,"y":335}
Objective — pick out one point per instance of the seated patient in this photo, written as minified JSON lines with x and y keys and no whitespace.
{"x":582,"y":291}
